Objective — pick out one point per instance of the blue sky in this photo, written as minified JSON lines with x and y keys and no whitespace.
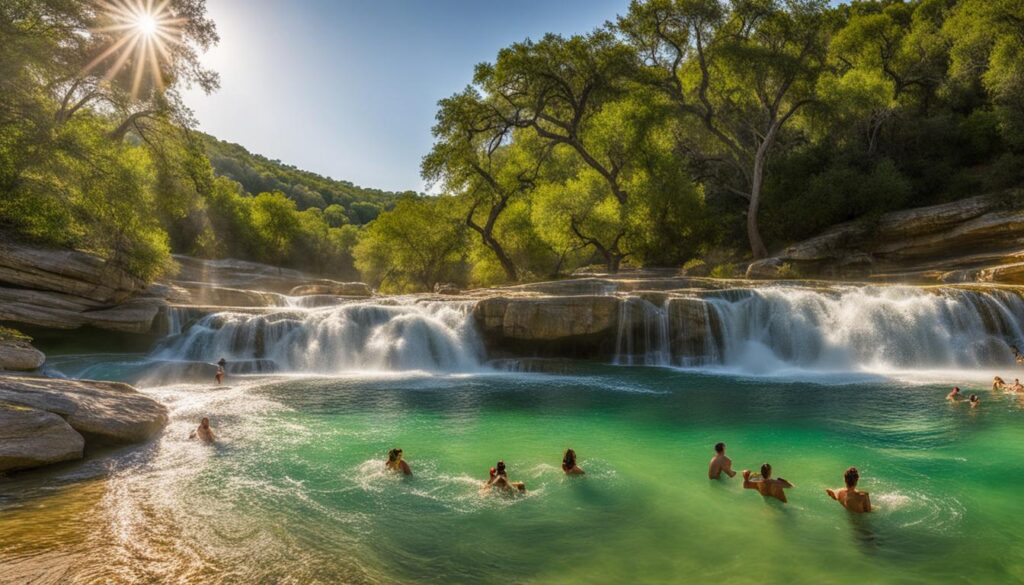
{"x":349,"y":89}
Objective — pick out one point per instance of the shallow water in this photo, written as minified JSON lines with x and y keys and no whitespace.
{"x":294,"y":492}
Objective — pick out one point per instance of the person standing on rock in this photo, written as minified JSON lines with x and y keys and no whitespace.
{"x":222,"y":366}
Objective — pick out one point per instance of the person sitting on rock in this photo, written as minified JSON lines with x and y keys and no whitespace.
{"x":569,"y":463}
{"x":396,"y":463}
{"x":204,"y":433}
{"x":499,"y":479}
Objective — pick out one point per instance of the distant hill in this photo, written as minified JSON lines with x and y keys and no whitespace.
{"x":258,"y":174}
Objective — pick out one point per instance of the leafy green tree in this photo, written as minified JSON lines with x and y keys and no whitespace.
{"x":740,"y":73}
{"x":335,"y":215}
{"x":277,"y":224}
{"x":416,"y":245}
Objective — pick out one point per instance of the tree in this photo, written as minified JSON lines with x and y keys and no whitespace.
{"x":416,"y":245}
{"x":740,"y":72}
{"x":277,"y":224}
{"x":478,"y":156}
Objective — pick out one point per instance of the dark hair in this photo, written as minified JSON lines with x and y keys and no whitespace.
{"x":956,"y":388}
{"x":719,"y":447}
{"x":766,"y":471}
{"x":851,"y":476}
{"x":205,"y":421}
{"x":501,"y":467}
{"x":394,"y":453}
{"x":569,"y":459}
{"x":973,"y":397}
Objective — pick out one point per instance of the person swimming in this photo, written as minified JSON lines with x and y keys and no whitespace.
{"x":204,"y":433}
{"x":1016,"y":387}
{"x":569,"y":463}
{"x":765,"y":485}
{"x":499,"y":479}
{"x":850,"y":497}
{"x":396,"y":463}
{"x":954,"y":394}
{"x":998,"y":384}
{"x":974,"y":401}
{"x":720,"y":464}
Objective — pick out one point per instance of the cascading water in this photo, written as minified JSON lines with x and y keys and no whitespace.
{"x":643,"y":335}
{"x":354,"y":336}
{"x":839,"y":329}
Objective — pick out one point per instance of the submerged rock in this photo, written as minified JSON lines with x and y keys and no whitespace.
{"x":331,"y":287}
{"x":31,"y":438}
{"x":105,"y":410}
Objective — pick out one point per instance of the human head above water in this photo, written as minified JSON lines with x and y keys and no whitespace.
{"x":852,"y":476}
{"x":500,"y":467}
{"x":394,"y":454}
{"x":569,"y":459}
{"x":205,"y":423}
{"x":766,"y":471}
{"x":719,"y":448}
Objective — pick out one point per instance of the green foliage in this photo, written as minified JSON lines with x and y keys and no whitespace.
{"x":8,"y":334}
{"x":725,"y":270}
{"x":416,"y":245}
{"x":258,"y":174}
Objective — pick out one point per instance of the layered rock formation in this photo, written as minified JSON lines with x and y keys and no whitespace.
{"x":977,"y":239}
{"x":45,"y":420}
{"x":19,"y":356}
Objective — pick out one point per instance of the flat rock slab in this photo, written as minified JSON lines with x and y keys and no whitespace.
{"x":108,"y":410}
{"x":30,"y":438}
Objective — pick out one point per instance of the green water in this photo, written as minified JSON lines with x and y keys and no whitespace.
{"x":294,"y":492}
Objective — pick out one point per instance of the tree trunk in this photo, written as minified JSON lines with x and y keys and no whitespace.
{"x":506,"y":263}
{"x":614,"y":260}
{"x":757,"y":247}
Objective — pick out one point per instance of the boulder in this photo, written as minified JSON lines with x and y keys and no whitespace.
{"x":564,"y":326}
{"x":767,"y":269}
{"x":446,"y":288}
{"x":107,"y":410}
{"x":17,"y":355}
{"x":30,"y":438}
{"x":331,"y":287}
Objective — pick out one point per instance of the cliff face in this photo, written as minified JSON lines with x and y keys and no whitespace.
{"x":980,"y":239}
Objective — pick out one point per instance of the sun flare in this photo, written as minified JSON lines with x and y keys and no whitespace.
{"x":142,"y":34}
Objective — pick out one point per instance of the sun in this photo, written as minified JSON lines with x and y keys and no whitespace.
{"x":142,"y":35}
{"x":146,"y":24}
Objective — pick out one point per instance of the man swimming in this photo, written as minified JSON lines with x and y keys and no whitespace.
{"x":396,"y":463}
{"x":720,"y":464}
{"x":1017,"y":387}
{"x":974,"y":401}
{"x":850,"y":497}
{"x":569,"y":463}
{"x":765,"y":485}
{"x":954,"y":394}
{"x":204,"y":433}
{"x":499,"y":479}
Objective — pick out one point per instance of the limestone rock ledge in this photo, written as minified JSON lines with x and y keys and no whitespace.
{"x":35,"y":411}
{"x":19,"y":356}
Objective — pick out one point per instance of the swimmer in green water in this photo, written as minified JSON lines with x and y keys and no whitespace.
{"x":396,"y":463}
{"x":720,"y":464}
{"x":499,"y":479}
{"x":850,"y":497}
{"x":765,"y":485}
{"x":569,"y":463}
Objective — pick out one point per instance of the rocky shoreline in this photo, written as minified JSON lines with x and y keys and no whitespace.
{"x":49,"y":420}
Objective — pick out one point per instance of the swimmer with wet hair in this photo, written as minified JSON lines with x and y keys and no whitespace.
{"x":720,"y":464}
{"x":396,"y":463}
{"x":569,"y":463}
{"x":204,"y":433}
{"x":765,"y":484}
{"x":499,"y":479}
{"x":998,"y":384}
{"x":954,"y":394}
{"x":850,"y":497}
{"x":974,"y":401}
{"x":1016,"y":387}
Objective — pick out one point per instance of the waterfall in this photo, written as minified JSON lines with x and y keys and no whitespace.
{"x":175,"y":318}
{"x":856,"y":327}
{"x":355,"y":336}
{"x":835,"y":329}
{"x":643,"y":334}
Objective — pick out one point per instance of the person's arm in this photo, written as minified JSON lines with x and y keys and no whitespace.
{"x":747,"y":483}
{"x":784,"y":483}
{"x":727,"y":468}
{"x":405,"y":468}
{"x":867,"y":502}
{"x":832,"y":494}
{"x":192,"y":435}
